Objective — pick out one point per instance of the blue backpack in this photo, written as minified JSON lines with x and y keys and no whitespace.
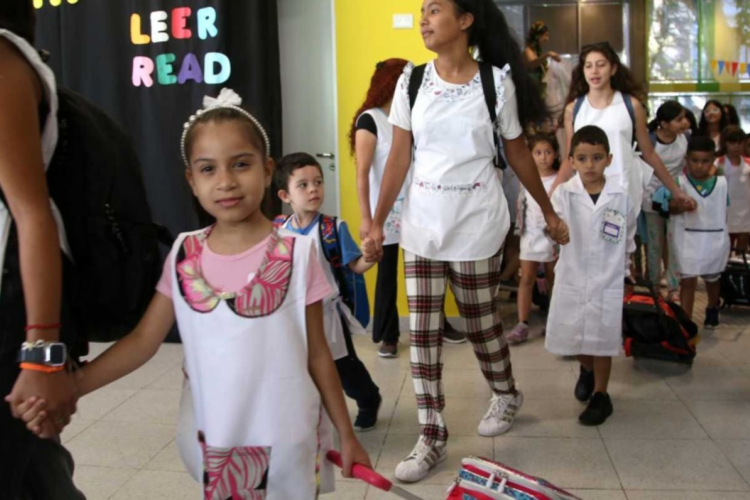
{"x":351,"y":285}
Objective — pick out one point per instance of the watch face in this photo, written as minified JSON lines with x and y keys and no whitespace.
{"x":57,"y":354}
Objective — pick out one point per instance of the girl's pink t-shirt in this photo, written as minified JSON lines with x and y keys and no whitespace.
{"x":230,"y":273}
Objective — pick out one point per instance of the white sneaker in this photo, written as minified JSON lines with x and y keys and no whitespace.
{"x":422,"y":458}
{"x":499,"y":418}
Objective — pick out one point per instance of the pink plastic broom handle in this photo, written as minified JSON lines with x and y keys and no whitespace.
{"x":361,"y":472}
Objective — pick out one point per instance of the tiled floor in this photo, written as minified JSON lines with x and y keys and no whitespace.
{"x":677,"y":433}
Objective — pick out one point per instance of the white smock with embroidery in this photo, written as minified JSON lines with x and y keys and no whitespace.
{"x":738,"y":213}
{"x":701,"y":238}
{"x":455,"y":209}
{"x":585,"y":315}
{"x":259,"y":419}
{"x":626,"y":168}
{"x":49,"y":138}
{"x":392,"y":226}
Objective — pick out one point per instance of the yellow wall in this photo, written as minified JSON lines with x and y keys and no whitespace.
{"x":364,"y":36}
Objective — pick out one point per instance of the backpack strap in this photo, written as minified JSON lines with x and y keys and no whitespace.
{"x":652,"y":137}
{"x":487,"y":74}
{"x":631,"y":112}
{"x":415,"y":81}
{"x":329,"y":240}
{"x":577,"y":108}
{"x":280,"y":220}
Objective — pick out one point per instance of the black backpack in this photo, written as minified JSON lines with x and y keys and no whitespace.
{"x":487,"y":76}
{"x":95,"y":180}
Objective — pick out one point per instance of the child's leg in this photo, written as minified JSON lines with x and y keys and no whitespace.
{"x":602,"y":370}
{"x":425,"y":287}
{"x":549,"y":274}
{"x":713,"y":288}
{"x":526,"y":289}
{"x":655,"y":231}
{"x":512,"y":251}
{"x":355,"y":379}
{"x":687,"y":295}
{"x":673,"y":275}
{"x":475,"y":284}
{"x":385,"y":325}
{"x":587,"y":362}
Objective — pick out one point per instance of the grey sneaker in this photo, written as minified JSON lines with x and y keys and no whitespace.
{"x":388,"y":350}
{"x":519,"y":334}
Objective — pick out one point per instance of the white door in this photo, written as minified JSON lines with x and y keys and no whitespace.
{"x":308,"y":86}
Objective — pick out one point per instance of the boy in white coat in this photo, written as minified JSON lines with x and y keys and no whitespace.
{"x":585,"y":318}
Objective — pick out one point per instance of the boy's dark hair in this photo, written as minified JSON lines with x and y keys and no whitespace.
{"x":549,"y":139}
{"x":18,"y":17}
{"x":291,"y":162}
{"x":732,"y":133}
{"x":701,"y":144}
{"x":590,"y":134}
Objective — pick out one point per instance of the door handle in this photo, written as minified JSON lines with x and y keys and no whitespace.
{"x":329,"y":156}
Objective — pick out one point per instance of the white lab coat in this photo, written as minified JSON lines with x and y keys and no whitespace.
{"x":585,"y":315}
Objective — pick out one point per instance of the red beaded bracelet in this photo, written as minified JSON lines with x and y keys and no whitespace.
{"x":52,"y":326}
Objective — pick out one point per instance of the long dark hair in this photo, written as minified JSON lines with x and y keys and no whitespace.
{"x":732,"y":116}
{"x":703,"y":124}
{"x":490,"y":34}
{"x":549,"y":139}
{"x":18,"y":16}
{"x":621,"y":81}
{"x":382,"y":86}
{"x":668,"y":111}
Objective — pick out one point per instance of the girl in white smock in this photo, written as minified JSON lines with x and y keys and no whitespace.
{"x":247,"y":300}
{"x":455,"y":216}
{"x":601,"y":91}
{"x":736,"y":169}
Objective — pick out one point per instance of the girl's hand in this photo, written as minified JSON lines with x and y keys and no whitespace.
{"x":353,"y":453}
{"x":557,"y":229}
{"x":32,"y":412}
{"x":370,"y":251}
{"x":364,"y":228}
{"x":686,"y":203}
{"x":377,"y":236}
{"x":554,"y":55}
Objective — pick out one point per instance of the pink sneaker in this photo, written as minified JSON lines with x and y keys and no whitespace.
{"x":519,"y":334}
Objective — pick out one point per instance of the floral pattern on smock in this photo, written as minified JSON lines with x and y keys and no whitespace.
{"x":239,"y":473}
{"x":453,"y":190}
{"x":392,"y":226}
{"x":263,"y":295}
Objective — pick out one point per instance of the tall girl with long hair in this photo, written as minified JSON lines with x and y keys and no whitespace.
{"x":605,"y":85}
{"x":370,"y":140}
{"x":455,"y":217}
{"x":713,"y":121}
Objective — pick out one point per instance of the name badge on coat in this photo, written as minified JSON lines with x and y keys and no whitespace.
{"x":613,"y":226}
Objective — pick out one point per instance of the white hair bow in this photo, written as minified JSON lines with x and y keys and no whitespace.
{"x":226,"y":98}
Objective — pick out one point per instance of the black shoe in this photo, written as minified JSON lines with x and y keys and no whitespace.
{"x":451,"y":335}
{"x":712,"y":317}
{"x":584,"y":386}
{"x":367,"y":418}
{"x":598,"y":410}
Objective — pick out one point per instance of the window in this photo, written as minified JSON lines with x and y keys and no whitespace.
{"x":673,"y":40}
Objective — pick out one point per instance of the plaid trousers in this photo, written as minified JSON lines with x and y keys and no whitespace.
{"x":475,"y":285}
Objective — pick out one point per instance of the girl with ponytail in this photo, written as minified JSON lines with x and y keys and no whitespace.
{"x":455,"y":216}
{"x":667,"y":134}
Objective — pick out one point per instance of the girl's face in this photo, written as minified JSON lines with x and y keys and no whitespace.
{"x":544,"y":156}
{"x":598,"y":71}
{"x":677,"y":126}
{"x":228,"y":174}
{"x":440,"y":26}
{"x":712,"y":113}
{"x":544,"y":38}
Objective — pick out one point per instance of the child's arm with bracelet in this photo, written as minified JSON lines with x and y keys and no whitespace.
{"x":326,"y":378}
{"x":126,"y":356}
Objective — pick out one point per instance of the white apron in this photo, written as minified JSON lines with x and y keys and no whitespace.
{"x":585,"y":315}
{"x":392,"y":226}
{"x":738,"y":213}
{"x":258,"y":416}
{"x":536,"y":246}
{"x":49,"y":139}
{"x":673,"y":157}
{"x":455,"y":209}
{"x":615,"y":121}
{"x":701,"y":240}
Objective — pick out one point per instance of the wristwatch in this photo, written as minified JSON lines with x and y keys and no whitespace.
{"x":43,"y":353}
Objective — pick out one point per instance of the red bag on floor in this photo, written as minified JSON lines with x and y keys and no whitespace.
{"x":482,"y":479}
